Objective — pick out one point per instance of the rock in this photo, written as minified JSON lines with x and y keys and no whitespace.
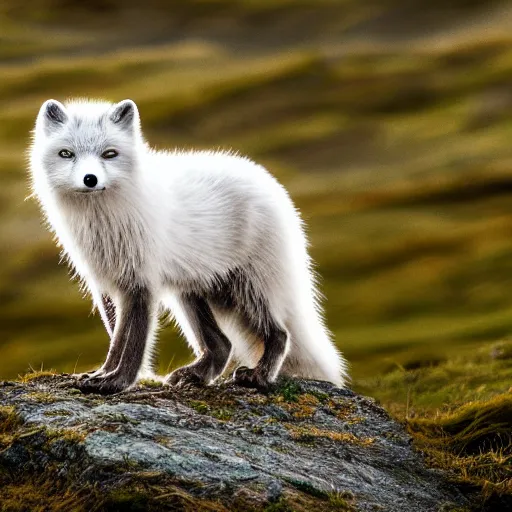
{"x":306,"y":446}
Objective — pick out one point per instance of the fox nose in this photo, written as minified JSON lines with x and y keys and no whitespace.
{"x":90,"y":180}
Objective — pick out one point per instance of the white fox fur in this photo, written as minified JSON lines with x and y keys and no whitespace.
{"x":177,"y":222}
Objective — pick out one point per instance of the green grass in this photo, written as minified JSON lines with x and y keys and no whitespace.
{"x":431,"y":384}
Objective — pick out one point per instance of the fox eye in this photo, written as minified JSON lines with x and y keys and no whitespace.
{"x":110,"y":153}
{"x":64,"y":153}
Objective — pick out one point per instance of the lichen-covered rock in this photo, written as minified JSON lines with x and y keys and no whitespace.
{"x":307,"y":444}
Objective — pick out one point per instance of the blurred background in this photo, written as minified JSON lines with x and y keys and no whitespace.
{"x":389,"y":121}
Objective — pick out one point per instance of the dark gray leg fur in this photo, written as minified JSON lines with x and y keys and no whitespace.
{"x":107,"y":310}
{"x":238,"y":294}
{"x":115,"y":350}
{"x":127,"y":346}
{"x":214,"y":345}
{"x":275,"y":343}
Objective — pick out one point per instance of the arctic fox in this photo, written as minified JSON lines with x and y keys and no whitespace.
{"x":210,"y":237}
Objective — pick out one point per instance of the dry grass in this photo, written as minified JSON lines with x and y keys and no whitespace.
{"x":474,"y":444}
{"x":310,"y":433}
{"x":9,"y":422}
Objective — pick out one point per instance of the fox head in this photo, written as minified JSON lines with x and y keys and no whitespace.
{"x":86,"y":147}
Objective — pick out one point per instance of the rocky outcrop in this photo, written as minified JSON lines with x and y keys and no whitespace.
{"x":305,"y":446}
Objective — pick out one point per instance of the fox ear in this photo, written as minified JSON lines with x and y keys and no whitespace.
{"x":52,"y":116}
{"x":124,"y":114}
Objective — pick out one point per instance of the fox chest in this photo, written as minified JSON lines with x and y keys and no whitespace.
{"x":113,"y":252}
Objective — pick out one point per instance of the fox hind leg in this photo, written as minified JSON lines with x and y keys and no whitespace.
{"x":213,"y":345}
{"x":275,"y":346}
{"x":240,"y":295}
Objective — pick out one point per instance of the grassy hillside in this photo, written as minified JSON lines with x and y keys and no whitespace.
{"x":394,"y":145}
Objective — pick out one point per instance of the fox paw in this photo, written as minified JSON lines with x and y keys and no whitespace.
{"x":250,"y":378}
{"x":105,"y":384}
{"x":88,"y":375}
{"x":185,"y":376}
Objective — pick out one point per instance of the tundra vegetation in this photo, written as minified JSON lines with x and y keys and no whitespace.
{"x":390,"y":124}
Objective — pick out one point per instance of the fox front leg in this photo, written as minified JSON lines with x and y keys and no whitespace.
{"x":137,"y":315}
{"x":107,"y":311}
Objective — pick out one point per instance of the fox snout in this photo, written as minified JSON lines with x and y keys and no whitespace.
{"x":89,"y":175}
